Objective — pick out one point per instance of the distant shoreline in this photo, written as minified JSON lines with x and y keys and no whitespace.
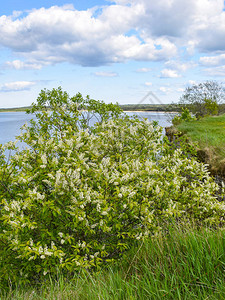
{"x":125,"y":107}
{"x":17,"y":109}
{"x":153,"y":111}
{"x":23,"y":109}
{"x":141,"y":111}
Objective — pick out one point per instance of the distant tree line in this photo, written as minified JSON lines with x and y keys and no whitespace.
{"x":151,"y":107}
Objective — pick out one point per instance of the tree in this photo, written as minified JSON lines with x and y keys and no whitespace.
{"x":204,"y":98}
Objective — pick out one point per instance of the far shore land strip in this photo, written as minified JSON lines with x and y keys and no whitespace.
{"x":155,"y":108}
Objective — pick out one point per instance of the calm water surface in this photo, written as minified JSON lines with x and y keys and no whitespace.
{"x":10,"y":122}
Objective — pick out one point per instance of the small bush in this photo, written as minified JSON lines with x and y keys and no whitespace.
{"x":185,"y":116}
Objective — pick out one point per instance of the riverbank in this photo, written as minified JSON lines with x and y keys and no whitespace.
{"x":209,"y":134}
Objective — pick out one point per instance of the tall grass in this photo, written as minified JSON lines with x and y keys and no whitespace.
{"x":208,"y":132}
{"x":183,"y":262}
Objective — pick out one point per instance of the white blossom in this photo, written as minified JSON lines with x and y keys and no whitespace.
{"x":44,"y":159}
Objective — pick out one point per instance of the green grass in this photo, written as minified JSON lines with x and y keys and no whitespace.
{"x":209,"y":133}
{"x":183,"y":263}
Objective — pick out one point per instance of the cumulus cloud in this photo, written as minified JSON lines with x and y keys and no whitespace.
{"x":60,"y":34}
{"x":168,"y":73}
{"x":179,"y":65}
{"x":20,"y":65}
{"x":17,"y":86}
{"x":212,"y":60}
{"x":192,"y":23}
{"x":214,"y":65}
{"x":175,"y":68}
{"x":208,"y":27}
{"x":216,"y":71}
{"x":165,"y":89}
{"x":168,"y":90}
{"x":168,"y":18}
{"x":140,"y":30}
{"x":192,"y":82}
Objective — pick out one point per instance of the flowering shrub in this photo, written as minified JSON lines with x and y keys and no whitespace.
{"x":80,"y":196}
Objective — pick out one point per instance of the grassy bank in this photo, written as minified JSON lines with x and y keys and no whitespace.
{"x":183,"y":263}
{"x":209,"y":133}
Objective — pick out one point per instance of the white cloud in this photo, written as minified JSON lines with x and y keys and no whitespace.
{"x":20,"y":65}
{"x":208,"y":28}
{"x":140,"y":30}
{"x":192,"y":82}
{"x":191,"y":23}
{"x":106,"y":74}
{"x":148,"y":83}
{"x":168,"y":73}
{"x":17,"y":86}
{"x":165,"y":89}
{"x":180,"y":90}
{"x":167,"y":18}
{"x":179,"y":65}
{"x":212,"y":60}
{"x":175,"y":68}
{"x":216,"y":71}
{"x":169,"y":90}
{"x":62,"y":34}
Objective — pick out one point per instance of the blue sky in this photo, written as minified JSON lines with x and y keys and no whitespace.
{"x":116,"y":51}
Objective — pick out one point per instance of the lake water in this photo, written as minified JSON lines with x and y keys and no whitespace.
{"x":11,"y":122}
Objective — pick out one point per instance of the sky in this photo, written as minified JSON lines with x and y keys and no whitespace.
{"x":116,"y":51}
